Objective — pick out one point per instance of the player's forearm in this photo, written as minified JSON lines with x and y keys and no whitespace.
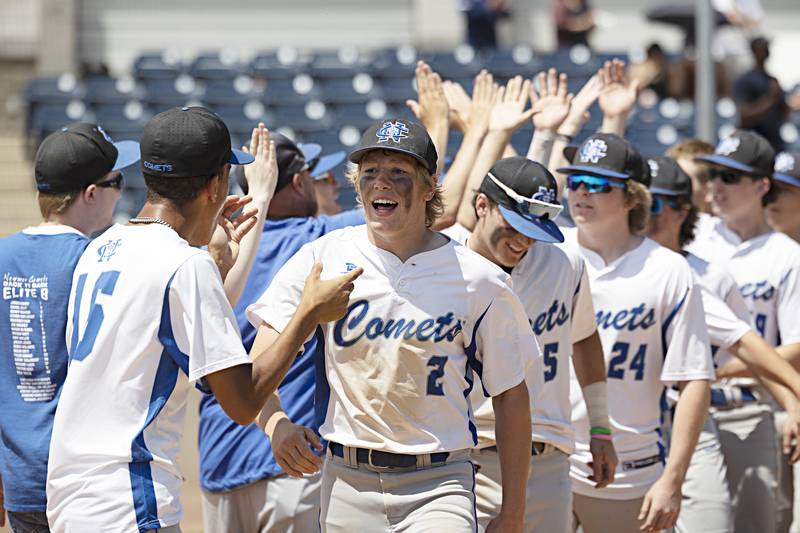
{"x":765,"y":362}
{"x":513,"y":432}
{"x":571,"y":127}
{"x":491,"y":150}
{"x":614,"y":124}
{"x":455,"y":183}
{"x":271,"y":414}
{"x":791,"y":353}
{"x":588,"y":360}
{"x":237,"y":275}
{"x":541,"y":146}
{"x":690,"y":415}
{"x":439,"y":131}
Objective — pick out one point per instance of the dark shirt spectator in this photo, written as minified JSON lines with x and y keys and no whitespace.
{"x":481,"y":18}
{"x":759,"y":98}
{"x":574,"y":22}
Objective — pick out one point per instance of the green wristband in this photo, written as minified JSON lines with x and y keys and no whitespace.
{"x":599,"y":430}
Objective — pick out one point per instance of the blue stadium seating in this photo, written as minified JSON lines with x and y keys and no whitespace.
{"x":222,"y":65}
{"x":107,"y":90}
{"x":152,"y":66}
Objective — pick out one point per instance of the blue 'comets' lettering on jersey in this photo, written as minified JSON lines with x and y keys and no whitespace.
{"x":630,"y":319}
{"x":556,"y":315}
{"x":427,"y":329}
{"x":760,"y":290}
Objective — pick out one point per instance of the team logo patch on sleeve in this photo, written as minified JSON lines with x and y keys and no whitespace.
{"x":728,"y":145}
{"x":392,"y":131}
{"x":593,"y":151}
{"x":107,"y":251}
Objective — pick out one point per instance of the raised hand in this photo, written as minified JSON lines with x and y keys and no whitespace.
{"x":327,"y":300}
{"x":290,"y":446}
{"x":508,"y":113}
{"x":459,"y":103}
{"x":618,"y":95}
{"x":552,"y":102}
{"x":261,"y":174}
{"x":431,"y":109}
{"x":228,"y":234}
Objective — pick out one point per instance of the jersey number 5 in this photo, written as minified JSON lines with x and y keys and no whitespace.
{"x":550,"y":361}
{"x":105,"y":284}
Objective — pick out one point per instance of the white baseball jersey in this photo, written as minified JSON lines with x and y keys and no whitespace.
{"x":767,"y":271}
{"x":552,"y":284}
{"x":649,"y":315}
{"x":727,"y":317}
{"x":399,"y":364}
{"x":147,"y":316}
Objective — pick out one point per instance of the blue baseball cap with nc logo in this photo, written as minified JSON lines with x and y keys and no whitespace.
{"x":398,"y":135}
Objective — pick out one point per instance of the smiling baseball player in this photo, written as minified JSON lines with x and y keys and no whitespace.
{"x":426,"y":313}
{"x":516,"y":207}
{"x":647,"y":309}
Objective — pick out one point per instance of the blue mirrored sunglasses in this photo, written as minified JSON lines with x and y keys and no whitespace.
{"x":593,"y":184}
{"x":657,"y":207}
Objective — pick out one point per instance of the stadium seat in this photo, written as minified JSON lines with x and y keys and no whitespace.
{"x":171,"y":92}
{"x":232,"y":91}
{"x":284,"y":63}
{"x":296,"y":90}
{"x":312,"y":116}
{"x":106,"y":90}
{"x":394,"y":63}
{"x":345,"y":62}
{"x":158,"y":66}
{"x":128,"y":118}
{"x":242,"y":118}
{"x":507,"y":63}
{"x":398,"y":90}
{"x":462,"y":62}
{"x":221,"y":65}
{"x":358,"y":88}
{"x":52,"y":90}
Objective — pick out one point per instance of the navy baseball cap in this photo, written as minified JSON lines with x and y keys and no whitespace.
{"x":185,"y":142}
{"x":745,"y":151}
{"x":399,"y":135}
{"x":291,"y":158}
{"x":668,"y":178}
{"x":77,"y":156}
{"x":787,"y":168}
{"x":608,"y":156}
{"x":525,"y":192}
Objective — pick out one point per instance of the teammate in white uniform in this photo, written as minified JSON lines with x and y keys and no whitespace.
{"x":148,"y":315}
{"x":766,"y":267}
{"x":707,"y":505}
{"x":783,"y":214}
{"x":647,"y":309}
{"x":515,"y":208}
{"x":426,"y":313}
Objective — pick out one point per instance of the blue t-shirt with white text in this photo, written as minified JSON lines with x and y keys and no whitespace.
{"x":36,"y":266}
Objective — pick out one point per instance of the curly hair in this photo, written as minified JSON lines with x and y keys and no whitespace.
{"x":638,"y":197}
{"x":434,"y":208}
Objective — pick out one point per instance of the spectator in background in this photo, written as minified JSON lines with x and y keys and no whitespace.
{"x":481,"y":17}
{"x":759,"y":97}
{"x":654,"y":72}
{"x":730,"y":41}
{"x":574,"y":22}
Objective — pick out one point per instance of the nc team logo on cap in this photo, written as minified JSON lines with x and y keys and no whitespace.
{"x":545,"y":194}
{"x":593,"y":151}
{"x":784,"y":162}
{"x":654,"y":168}
{"x":728,"y":145}
{"x":394,"y":131}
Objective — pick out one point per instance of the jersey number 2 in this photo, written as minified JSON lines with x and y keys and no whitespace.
{"x":436,"y":363}
{"x":105,"y":284}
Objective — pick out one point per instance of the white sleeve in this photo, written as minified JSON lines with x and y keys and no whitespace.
{"x":277,"y":304}
{"x":724,"y":327}
{"x":789,"y":305}
{"x":583,"y":317}
{"x":457,"y":232}
{"x":201,"y":319}
{"x":684,"y":334}
{"x":502,"y":343}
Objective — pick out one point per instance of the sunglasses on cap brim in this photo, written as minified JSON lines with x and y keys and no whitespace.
{"x":593,"y":184}
{"x":657,"y":207}
{"x":527,"y":205}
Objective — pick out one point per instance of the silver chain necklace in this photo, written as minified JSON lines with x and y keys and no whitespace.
{"x":151,"y":220}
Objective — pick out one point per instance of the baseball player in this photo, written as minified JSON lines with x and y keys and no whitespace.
{"x":148,"y":315}
{"x":425,"y":315}
{"x":647,"y":308}
{"x":766,"y":267}
{"x":516,"y":207}
{"x":783,"y":214}
{"x":684,"y":153}
{"x":325,"y":186}
{"x":78,"y":180}
{"x":706,"y":494}
{"x":245,"y":486}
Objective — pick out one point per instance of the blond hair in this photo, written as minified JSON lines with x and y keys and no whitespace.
{"x":433,"y":207}
{"x":51,"y":205}
{"x":638,"y":198}
{"x":689,"y":149}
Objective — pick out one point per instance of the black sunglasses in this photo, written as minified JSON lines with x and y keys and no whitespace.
{"x":729,"y":177}
{"x":114,"y":183}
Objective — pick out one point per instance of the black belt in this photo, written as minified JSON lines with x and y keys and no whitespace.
{"x":641,"y":463}
{"x":537,"y":448}
{"x":386,"y":459}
